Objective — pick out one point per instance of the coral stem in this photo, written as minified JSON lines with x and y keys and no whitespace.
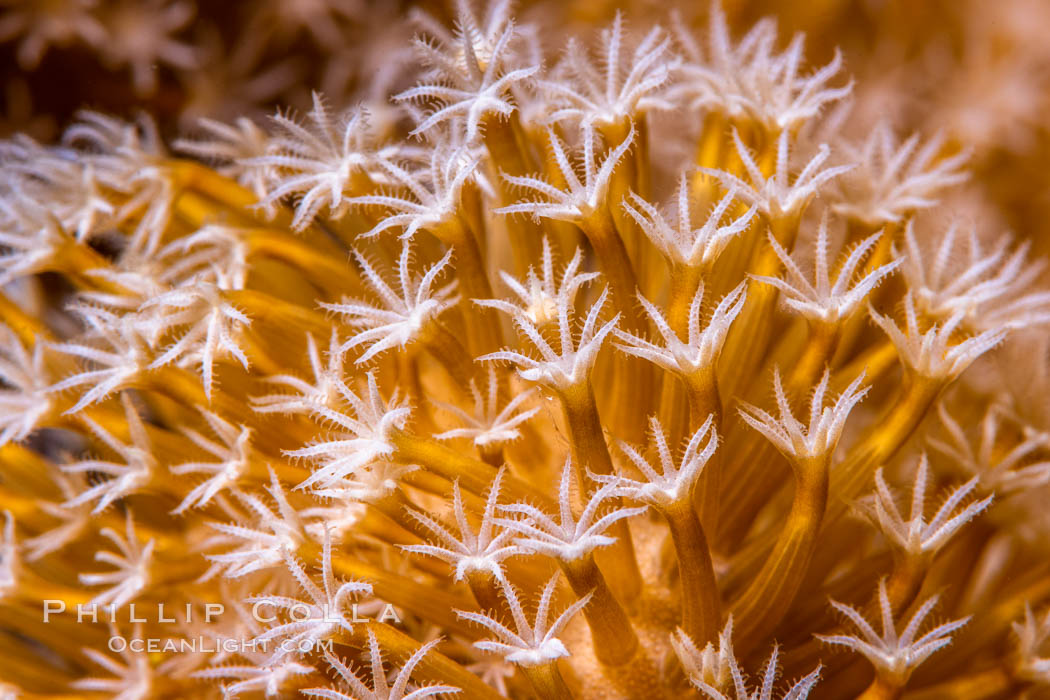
{"x":701,"y":606}
{"x":615,"y":264}
{"x":880,"y":689}
{"x":590,"y":452}
{"x":769,"y":596}
{"x":746,"y":343}
{"x":482,"y":327}
{"x":547,"y":681}
{"x":614,"y":639}
{"x":450,"y":352}
{"x":506,"y":145}
{"x":704,"y":402}
{"x":630,"y":376}
{"x":473,"y":475}
{"x":881,"y":442}
{"x":747,"y":494}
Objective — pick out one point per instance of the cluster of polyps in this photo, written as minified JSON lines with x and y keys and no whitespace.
{"x":174,"y":436}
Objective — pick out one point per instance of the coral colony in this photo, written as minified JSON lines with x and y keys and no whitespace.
{"x":623,"y":368}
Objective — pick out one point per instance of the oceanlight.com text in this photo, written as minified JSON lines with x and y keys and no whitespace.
{"x":195,"y":645}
